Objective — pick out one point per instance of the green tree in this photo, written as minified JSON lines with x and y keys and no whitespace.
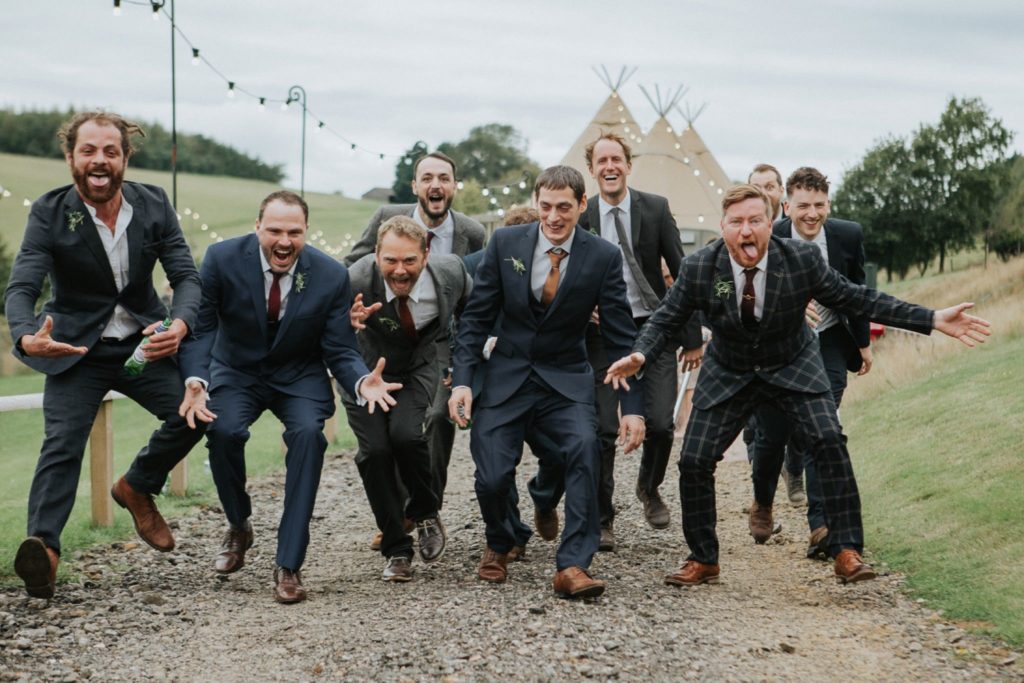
{"x":6,"y":261}
{"x":401,"y":189}
{"x":1006,"y":233}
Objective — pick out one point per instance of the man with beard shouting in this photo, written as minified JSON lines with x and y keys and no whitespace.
{"x":448,"y":232}
{"x":98,"y":241}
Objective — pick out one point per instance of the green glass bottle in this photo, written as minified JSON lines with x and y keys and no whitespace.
{"x":136,"y":362}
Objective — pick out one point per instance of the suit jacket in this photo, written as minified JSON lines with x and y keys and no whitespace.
{"x":845,"y":243}
{"x":468,"y":234}
{"x":61,"y":241}
{"x":654,"y":235}
{"x":382,"y":337}
{"x":781,"y":350}
{"x":550,"y":343}
{"x":229,"y":343}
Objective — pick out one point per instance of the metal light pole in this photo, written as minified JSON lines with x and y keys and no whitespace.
{"x":297,"y":93}
{"x":157,"y":6}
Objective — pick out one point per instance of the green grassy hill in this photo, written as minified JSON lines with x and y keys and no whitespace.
{"x":227,"y":206}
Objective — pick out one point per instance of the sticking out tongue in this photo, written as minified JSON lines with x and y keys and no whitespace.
{"x":749,"y":250}
{"x":99,"y":180}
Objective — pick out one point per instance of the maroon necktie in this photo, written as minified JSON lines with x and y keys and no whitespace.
{"x":747,"y":302}
{"x":405,"y":318}
{"x":430,"y":238}
{"x":274,"y":299}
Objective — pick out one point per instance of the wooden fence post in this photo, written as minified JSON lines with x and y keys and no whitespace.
{"x":179,"y":478}
{"x":101,"y":464}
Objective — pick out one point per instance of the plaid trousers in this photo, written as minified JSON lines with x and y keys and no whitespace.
{"x":711,"y":431}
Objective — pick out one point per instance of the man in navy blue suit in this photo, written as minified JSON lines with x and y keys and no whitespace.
{"x":544,"y":280}
{"x":273,"y":319}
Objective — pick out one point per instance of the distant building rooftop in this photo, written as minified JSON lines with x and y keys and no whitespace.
{"x":378,"y":194}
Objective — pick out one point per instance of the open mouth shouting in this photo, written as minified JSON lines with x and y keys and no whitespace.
{"x":281,"y":258}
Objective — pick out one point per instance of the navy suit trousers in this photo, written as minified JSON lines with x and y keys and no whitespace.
{"x":236,"y":409}
{"x":496,"y":443}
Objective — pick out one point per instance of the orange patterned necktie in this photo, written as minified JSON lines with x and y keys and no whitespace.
{"x":547,"y":295}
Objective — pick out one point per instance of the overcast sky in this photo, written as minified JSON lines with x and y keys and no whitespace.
{"x":789,"y":83}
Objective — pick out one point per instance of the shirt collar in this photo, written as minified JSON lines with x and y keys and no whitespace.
{"x":446,"y":228}
{"x":737,"y":269}
{"x":544,"y":244}
{"x":124,"y":215}
{"x":266,"y":264}
{"x":605,"y":207}
{"x":819,"y":239}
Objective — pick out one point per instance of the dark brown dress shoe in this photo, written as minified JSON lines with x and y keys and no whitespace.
{"x":517,"y":554}
{"x":546,"y":523}
{"x":288,"y":586}
{"x":760,"y":522}
{"x":655,"y":511}
{"x":573,"y":582}
{"x":817,"y":546}
{"x":149,"y":524}
{"x":693,"y":573}
{"x":850,"y":568}
{"x":398,"y":570}
{"x":36,"y":565}
{"x":493,"y":566}
{"x":231,"y":557}
{"x":607,"y":542}
{"x":432,"y":539}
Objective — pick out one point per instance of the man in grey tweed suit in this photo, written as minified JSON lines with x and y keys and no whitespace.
{"x":448,"y":232}
{"x":403,"y":308}
{"x":753,"y":290}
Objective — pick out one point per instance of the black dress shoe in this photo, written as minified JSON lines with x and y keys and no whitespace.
{"x":432,"y":538}
{"x":231,"y":557}
{"x":398,"y":570}
{"x":607,"y":542}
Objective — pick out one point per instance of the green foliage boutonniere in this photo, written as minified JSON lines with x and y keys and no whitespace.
{"x":74,"y":219}
{"x":300,"y":282}
{"x":724,"y":288}
{"x":390,"y":324}
{"x":517,"y":265}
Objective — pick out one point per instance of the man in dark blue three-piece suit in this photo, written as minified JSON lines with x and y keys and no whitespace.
{"x":753,"y":290}
{"x":274,"y":318}
{"x":544,"y":280}
{"x":98,"y":241}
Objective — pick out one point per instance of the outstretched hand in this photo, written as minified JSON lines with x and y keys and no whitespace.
{"x":955,"y":323}
{"x":632,"y":430}
{"x":193,"y":405}
{"x":358,"y":314}
{"x":625,"y":367}
{"x":42,"y":345}
{"x":376,"y":391}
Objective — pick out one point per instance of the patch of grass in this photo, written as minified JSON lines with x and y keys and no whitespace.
{"x":19,"y":451}
{"x":941,"y":470}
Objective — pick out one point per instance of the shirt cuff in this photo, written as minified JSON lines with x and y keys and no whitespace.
{"x":360,"y":401}
{"x":206,"y":385}
{"x":642,"y":418}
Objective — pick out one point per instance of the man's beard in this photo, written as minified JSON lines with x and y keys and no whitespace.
{"x":98,"y":195}
{"x":424,"y":207}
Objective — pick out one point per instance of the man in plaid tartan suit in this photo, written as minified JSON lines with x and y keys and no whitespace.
{"x":753,"y":290}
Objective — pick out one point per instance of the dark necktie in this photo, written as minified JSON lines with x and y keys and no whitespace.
{"x":405,"y":317}
{"x":274,"y":299}
{"x":748,"y":300}
{"x":647,"y":295}
{"x":430,"y":238}
{"x":555,"y":255}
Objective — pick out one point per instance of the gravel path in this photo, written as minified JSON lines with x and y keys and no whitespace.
{"x":135,"y":614}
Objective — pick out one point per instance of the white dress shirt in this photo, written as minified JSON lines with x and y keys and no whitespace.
{"x":443,"y":235}
{"x":828,"y":316}
{"x":285,"y":283}
{"x":542,"y":263}
{"x":608,"y":232}
{"x":422,"y":299}
{"x":121,"y":323}
{"x":760,"y":280}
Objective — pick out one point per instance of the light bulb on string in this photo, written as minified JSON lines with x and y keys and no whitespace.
{"x":380,"y":159}
{"x":284,"y":105}
{"x":231,"y":89}
{"x":460,"y":185}
{"x":352,"y":148}
{"x":117,"y":8}
{"x":486,"y":191}
{"x":263,"y":104}
{"x":505,"y":190}
{"x":319,"y":126}
{"x":156,"y":12}
{"x":195,"y":56}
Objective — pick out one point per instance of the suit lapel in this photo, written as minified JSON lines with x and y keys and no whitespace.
{"x":773,"y":283}
{"x":87,"y":232}
{"x":834,"y":247}
{"x":635,"y":221}
{"x":297,"y":295}
{"x":136,"y":236}
{"x":443,"y":290}
{"x":594,"y":215}
{"x":460,"y":242}
{"x":257,"y":283}
{"x":523,"y":250}
{"x":727,"y":292}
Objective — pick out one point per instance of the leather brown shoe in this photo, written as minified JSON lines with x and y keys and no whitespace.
{"x":573,"y":582}
{"x":546,"y":523}
{"x":760,"y":522}
{"x":607,"y":542}
{"x":850,"y":568}
{"x":517,"y":554}
{"x":288,"y":586}
{"x":398,"y":570}
{"x":693,"y":573}
{"x":231,"y":557}
{"x":817,"y":546}
{"x":655,"y":511}
{"x":36,"y":565}
{"x":149,"y":524}
{"x":432,"y":539}
{"x":493,"y":566}
{"x":378,"y":537}
{"x":795,"y":488}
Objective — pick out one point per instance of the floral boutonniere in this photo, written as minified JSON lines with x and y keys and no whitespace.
{"x":74,"y":219}
{"x":517,"y":265}
{"x":300,"y":282}
{"x":390,"y":324}
{"x":593,"y":231}
{"x":724,"y":288}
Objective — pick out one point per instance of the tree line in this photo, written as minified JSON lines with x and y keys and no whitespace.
{"x":34,"y":133}
{"x":948,"y":187}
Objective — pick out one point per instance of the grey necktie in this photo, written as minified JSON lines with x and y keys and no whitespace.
{"x":647,"y":295}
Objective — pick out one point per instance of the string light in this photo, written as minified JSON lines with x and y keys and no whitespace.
{"x":117,"y":8}
{"x":195,"y":56}
{"x":284,"y":105}
{"x":263,"y":104}
{"x":231,"y":89}
{"x":156,"y":11}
